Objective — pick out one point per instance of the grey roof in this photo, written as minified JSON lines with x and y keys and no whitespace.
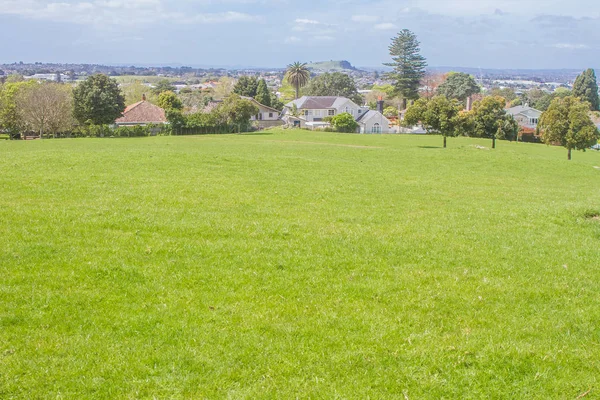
{"x":524,"y":110}
{"x":317,"y":102}
{"x":370,"y":113}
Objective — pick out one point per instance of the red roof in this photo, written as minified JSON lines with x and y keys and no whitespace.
{"x":142,"y":112}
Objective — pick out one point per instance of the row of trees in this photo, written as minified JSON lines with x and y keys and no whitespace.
{"x":53,"y":108}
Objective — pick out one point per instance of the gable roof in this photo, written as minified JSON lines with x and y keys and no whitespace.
{"x":318,"y":102}
{"x":364,"y":117}
{"x":259,"y":104}
{"x":142,"y":112}
{"x":524,"y":110}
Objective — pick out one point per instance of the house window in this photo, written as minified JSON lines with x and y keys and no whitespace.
{"x":317,"y":113}
{"x":330,"y":112}
{"x":376,"y":128}
{"x":270,"y":115}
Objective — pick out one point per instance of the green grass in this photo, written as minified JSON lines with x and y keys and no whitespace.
{"x":298,"y":265}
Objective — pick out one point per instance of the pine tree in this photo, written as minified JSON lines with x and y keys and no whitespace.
{"x":408,"y":64}
{"x":586,"y":88}
{"x":262,"y":93}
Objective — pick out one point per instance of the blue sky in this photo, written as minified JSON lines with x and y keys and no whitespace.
{"x":273,"y":33}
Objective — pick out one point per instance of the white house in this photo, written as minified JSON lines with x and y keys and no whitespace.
{"x":309,"y":112}
{"x":525,"y":116}
{"x":267,"y":116}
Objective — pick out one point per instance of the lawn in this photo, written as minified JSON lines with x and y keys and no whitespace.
{"x":298,"y":265}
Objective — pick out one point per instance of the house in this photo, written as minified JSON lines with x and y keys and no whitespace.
{"x":525,"y":116}
{"x":310,"y":111}
{"x":142,"y":113}
{"x":267,"y":116}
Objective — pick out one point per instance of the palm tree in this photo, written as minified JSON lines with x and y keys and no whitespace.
{"x":298,"y":75}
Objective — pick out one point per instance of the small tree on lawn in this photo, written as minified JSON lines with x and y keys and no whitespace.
{"x":489,"y":118}
{"x":567,"y":122}
{"x":344,"y":122}
{"x":438,"y":115}
{"x":458,"y":86}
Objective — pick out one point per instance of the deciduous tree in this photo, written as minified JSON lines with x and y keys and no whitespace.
{"x":344,"y":122}
{"x":169,"y":101}
{"x":408,"y":65}
{"x":163,"y":85}
{"x":334,"y":84}
{"x":490,"y":119}
{"x":46,"y":108}
{"x":438,"y":115}
{"x":10,"y":120}
{"x":568,"y":123}
{"x":98,"y":101}
{"x":458,"y":86}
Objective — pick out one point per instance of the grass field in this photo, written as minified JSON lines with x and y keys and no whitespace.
{"x":298,"y":265}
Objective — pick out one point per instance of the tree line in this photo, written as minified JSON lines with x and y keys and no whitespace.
{"x":54,"y":109}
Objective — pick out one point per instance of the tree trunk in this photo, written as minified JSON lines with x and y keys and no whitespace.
{"x":404,"y":104}
{"x":493,"y":143}
{"x":444,"y":141}
{"x":297,"y":90}
{"x":569,"y":155}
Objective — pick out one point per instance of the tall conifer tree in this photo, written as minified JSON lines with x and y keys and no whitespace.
{"x":586,"y":88}
{"x":408,"y":64}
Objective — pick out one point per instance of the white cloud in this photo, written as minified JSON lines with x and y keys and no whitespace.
{"x":307,"y":21}
{"x":292,"y":39}
{"x":115,"y":13}
{"x":385,"y":26}
{"x":365,"y":18}
{"x":571,"y":46}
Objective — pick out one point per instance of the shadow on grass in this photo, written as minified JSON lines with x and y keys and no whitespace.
{"x":430,"y":147}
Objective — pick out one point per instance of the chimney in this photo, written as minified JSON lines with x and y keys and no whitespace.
{"x":469,"y":103}
{"x":380,"y":104}
{"x":144,"y":97}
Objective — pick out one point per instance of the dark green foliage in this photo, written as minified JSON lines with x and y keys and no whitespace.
{"x":458,"y":86}
{"x":237,"y":111}
{"x":567,"y":122}
{"x":98,"y":101}
{"x":508,"y":93}
{"x":164,"y":85}
{"x":246,"y":86}
{"x":169,"y":101}
{"x":276,"y":103}
{"x":333,"y":84}
{"x":408,"y":64}
{"x":344,"y":122}
{"x":586,"y":88}
{"x":263,"y":96}
{"x":176,"y":119}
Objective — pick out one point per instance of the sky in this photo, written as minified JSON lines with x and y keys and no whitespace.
{"x":273,"y":33}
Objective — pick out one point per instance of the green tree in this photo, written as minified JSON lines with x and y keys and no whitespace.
{"x":438,"y":115}
{"x":176,"y":120}
{"x":246,"y":86}
{"x":237,"y":111}
{"x":390,"y":112}
{"x":163,"y":85}
{"x":489,"y":118}
{"x":586,"y":88}
{"x":408,"y":65}
{"x":568,"y":123}
{"x":508,"y":93}
{"x":10,"y":120}
{"x":458,"y":86}
{"x":263,"y":96}
{"x":98,"y":101}
{"x":276,"y":103}
{"x":334,"y":84}
{"x":297,"y":75}
{"x":169,"y":101}
{"x":135,"y":92}
{"x":344,"y":122}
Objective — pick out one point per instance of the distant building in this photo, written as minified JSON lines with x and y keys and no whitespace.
{"x":525,"y":116}
{"x":267,"y":117}
{"x":311,"y":110}
{"x":142,"y":113}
